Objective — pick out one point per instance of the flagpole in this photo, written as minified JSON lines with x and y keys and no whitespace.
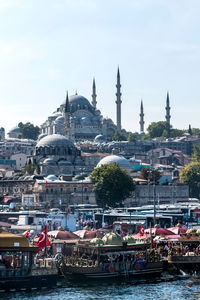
{"x":46,"y":241}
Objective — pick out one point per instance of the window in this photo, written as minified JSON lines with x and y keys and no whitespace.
{"x":74,"y":189}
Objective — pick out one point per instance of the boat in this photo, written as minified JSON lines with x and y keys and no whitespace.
{"x":19,"y":266}
{"x":115,"y":260}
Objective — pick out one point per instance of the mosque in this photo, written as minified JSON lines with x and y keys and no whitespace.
{"x":86,"y":121}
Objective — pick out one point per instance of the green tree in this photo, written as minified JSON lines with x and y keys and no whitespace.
{"x":190,"y":130}
{"x":29,"y":131}
{"x":119,"y":136}
{"x":156,"y":129}
{"x":195,"y":131}
{"x":151,"y":175}
{"x":132,"y":137}
{"x":29,"y":168}
{"x":196,"y":154}
{"x":112,"y":185}
{"x":191,"y":175}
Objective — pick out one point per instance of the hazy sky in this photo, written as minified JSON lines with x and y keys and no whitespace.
{"x":50,"y":46}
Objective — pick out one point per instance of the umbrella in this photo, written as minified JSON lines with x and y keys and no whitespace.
{"x":178,"y":230}
{"x":158,"y":231}
{"x":62,"y":235}
{"x":87,"y":234}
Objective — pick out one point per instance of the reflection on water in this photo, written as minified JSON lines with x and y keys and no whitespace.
{"x":176,"y":290}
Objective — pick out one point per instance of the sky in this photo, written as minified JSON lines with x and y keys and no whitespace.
{"x":48,"y":47}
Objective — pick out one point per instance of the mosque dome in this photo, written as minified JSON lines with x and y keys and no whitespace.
{"x":14,"y":129}
{"x":78,"y":100}
{"x":51,"y":177}
{"x":49,"y":161}
{"x":99,"y":138}
{"x":55,"y":140}
{"x":111,"y":159}
{"x":41,"y":136}
{"x":59,"y":119}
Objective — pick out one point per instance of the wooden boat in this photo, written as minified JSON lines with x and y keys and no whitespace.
{"x":111,"y":261}
{"x":17,"y":267}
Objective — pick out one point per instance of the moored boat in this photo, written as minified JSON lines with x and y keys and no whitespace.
{"x":17,"y":267}
{"x":98,"y":260}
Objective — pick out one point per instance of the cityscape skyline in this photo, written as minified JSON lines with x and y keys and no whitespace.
{"x":44,"y":54}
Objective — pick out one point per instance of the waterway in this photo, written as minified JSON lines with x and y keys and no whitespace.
{"x":174,"y":290}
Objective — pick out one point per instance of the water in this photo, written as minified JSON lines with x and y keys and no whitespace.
{"x":175,"y":290}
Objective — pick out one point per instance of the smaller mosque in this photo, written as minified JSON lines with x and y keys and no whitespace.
{"x":55,"y":154}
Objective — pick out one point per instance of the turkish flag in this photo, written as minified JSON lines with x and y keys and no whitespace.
{"x":27,"y":233}
{"x":43,"y":239}
{"x":142,"y":230}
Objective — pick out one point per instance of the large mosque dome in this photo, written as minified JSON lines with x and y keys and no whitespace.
{"x":111,"y":159}
{"x":54,"y":140}
{"x":78,"y":100}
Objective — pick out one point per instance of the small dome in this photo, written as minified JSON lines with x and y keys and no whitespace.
{"x":55,"y":140}
{"x":51,"y":178}
{"x":111,"y":159}
{"x":99,"y":138}
{"x":41,"y":136}
{"x":60,"y":119}
{"x":49,"y":161}
{"x":112,"y":239}
{"x":96,"y":241}
{"x":14,"y":129}
{"x":129,"y":239}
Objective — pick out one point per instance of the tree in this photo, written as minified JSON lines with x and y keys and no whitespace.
{"x":196,"y":154}
{"x":29,"y":131}
{"x":132,"y":137}
{"x":29,"y":168}
{"x":119,"y":136}
{"x":112,"y":185}
{"x":151,"y":175}
{"x":191,"y":175}
{"x":156,"y":129}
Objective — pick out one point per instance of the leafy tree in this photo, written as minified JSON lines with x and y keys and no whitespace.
{"x":112,"y":185}
{"x":191,"y":175}
{"x":177,"y":132}
{"x":29,"y":168}
{"x":156,"y":129}
{"x":195,"y":131}
{"x":29,"y":131}
{"x":196,"y":154}
{"x":132,"y":137}
{"x":190,"y":130}
{"x":119,"y":136}
{"x":151,"y":175}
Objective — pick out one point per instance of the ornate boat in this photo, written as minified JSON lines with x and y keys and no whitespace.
{"x":111,"y":261}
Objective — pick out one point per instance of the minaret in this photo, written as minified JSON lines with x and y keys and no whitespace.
{"x":167,"y":117}
{"x":94,"y":95}
{"x":67,"y":118}
{"x":118,"y":101}
{"x":141,"y":118}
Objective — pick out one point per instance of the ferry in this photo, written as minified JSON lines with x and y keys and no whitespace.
{"x":111,"y":257}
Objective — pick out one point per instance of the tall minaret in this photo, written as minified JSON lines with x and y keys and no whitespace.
{"x":167,"y":117}
{"x":67,"y":117}
{"x":141,"y":118}
{"x":94,"y":95}
{"x":118,"y":101}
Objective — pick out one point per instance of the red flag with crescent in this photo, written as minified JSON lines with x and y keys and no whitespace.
{"x":27,"y":233}
{"x":43,"y":240}
{"x":142,"y":230}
